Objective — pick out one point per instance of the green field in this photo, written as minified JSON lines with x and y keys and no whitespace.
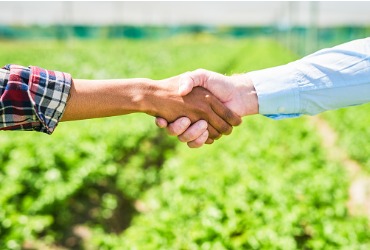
{"x":121,"y":183}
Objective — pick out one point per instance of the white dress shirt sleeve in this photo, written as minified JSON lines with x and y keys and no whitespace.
{"x":328,"y":79}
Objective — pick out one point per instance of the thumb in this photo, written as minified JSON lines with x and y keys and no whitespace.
{"x":219,"y":85}
{"x":186,"y":84}
{"x":190,"y":80}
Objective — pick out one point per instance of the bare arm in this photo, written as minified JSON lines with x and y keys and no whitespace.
{"x":102,"y":98}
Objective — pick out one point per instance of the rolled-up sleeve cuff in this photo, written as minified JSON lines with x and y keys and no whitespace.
{"x":48,"y":92}
{"x":278,"y":91}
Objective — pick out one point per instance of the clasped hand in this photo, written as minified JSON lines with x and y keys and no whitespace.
{"x":199,"y":107}
{"x":209,"y":106}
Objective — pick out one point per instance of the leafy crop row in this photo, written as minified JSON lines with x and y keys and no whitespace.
{"x":266,"y":186}
{"x":351,"y":125}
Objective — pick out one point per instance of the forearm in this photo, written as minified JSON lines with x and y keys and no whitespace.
{"x":103,"y":98}
{"x":328,"y":79}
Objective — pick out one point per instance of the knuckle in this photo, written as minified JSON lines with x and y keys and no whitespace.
{"x":201,"y":139}
{"x":185,"y":137}
{"x":209,"y":98}
{"x":171,"y":130}
{"x":199,"y":142}
{"x":194,"y":145}
{"x":182,"y":139}
{"x":224,"y":129}
{"x":179,"y":126}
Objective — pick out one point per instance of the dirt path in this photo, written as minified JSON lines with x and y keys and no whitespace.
{"x":359,"y":191}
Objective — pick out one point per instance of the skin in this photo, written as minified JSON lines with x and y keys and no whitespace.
{"x":160,"y":98}
{"x":236,"y":92}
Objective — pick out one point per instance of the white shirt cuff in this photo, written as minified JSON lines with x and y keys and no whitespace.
{"x":278,"y":91}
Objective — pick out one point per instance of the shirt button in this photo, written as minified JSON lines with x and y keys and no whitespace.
{"x":281,"y":109}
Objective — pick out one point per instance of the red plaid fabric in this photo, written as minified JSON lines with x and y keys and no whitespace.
{"x":32,"y":98}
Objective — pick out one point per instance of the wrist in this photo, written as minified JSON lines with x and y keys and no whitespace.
{"x":247,"y":94}
{"x":155,"y":96}
{"x":143,"y":96}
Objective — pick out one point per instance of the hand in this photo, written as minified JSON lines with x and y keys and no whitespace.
{"x":236,"y":92}
{"x":165,"y":101}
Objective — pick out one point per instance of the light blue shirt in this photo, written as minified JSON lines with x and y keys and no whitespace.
{"x":328,"y":79}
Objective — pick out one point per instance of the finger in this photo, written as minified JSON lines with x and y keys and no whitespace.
{"x":199,"y":141}
{"x":213,"y":133}
{"x":209,"y":141}
{"x":185,"y":84}
{"x":179,"y":126}
{"x":218,"y":84}
{"x":161,"y":122}
{"x":216,"y":121}
{"x":189,"y":80}
{"x":225,"y":113}
{"x":194,"y":131}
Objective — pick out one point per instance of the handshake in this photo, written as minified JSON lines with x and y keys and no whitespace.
{"x":201,"y":106}
{"x":198,"y":107}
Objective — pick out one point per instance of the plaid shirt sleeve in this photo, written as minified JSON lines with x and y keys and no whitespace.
{"x":32,"y":98}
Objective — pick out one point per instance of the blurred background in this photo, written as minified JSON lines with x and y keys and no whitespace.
{"x":302,"y":26}
{"x":121,"y":183}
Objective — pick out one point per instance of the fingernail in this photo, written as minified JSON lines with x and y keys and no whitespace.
{"x":202,"y":125}
{"x":160,"y":122}
{"x":185,"y":122}
{"x":161,"y":125}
